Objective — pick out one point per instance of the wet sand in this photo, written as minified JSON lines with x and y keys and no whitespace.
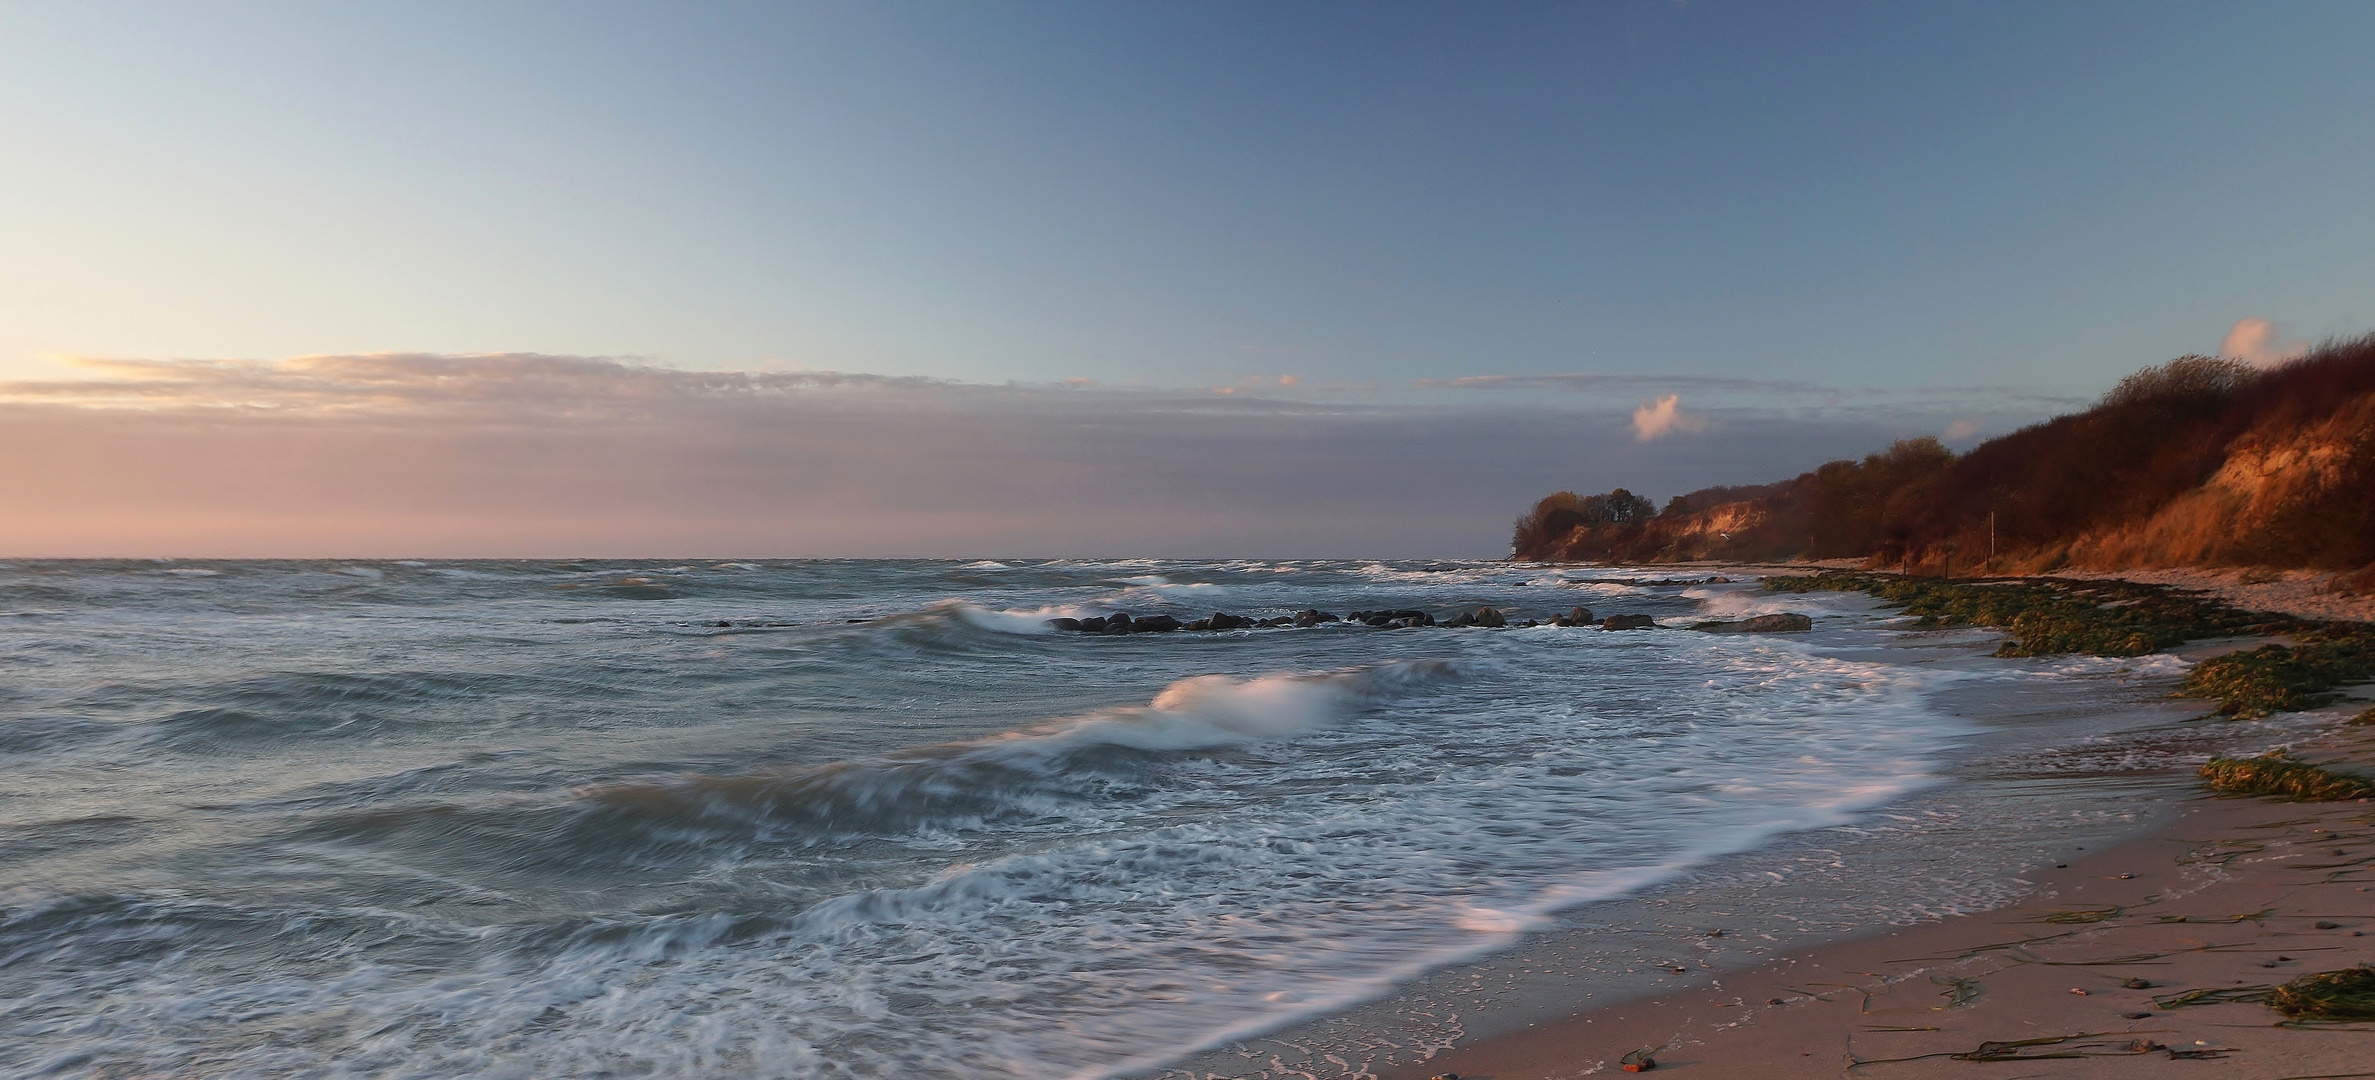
{"x":2230,"y":895}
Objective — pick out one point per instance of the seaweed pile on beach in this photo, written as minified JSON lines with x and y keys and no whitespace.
{"x":2048,"y":616}
{"x":2287,"y":678}
{"x":2275,"y":774}
{"x":2054,"y":616}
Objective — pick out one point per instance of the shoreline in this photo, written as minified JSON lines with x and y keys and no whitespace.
{"x":1535,"y":1023}
{"x":2232,"y":893}
{"x":1870,"y":1005}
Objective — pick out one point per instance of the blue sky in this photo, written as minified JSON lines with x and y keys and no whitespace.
{"x":1374,"y":199}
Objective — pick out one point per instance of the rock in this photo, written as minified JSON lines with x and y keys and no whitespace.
{"x":1486,"y":616}
{"x":1154,"y":624}
{"x":1461,"y":619}
{"x":1581,"y":616}
{"x":1064,"y":624}
{"x":1781,"y":623}
{"x":1200,"y":624}
{"x":1719,"y":579}
{"x":1310,"y":618}
{"x":1282,"y":620}
{"x":1092,"y":626}
{"x":1223,"y":621}
{"x":1628,"y":622}
{"x":1118,"y":623}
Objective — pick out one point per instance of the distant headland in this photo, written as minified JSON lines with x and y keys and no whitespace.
{"x":2199,"y":462}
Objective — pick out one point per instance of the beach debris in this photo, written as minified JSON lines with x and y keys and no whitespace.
{"x":2329,"y":926}
{"x":1781,"y":623}
{"x":1445,"y":1076}
{"x":2138,"y":984}
{"x":1959,"y":991}
{"x":2069,"y":916}
{"x":2077,"y":991}
{"x":2201,"y":1053}
{"x":2328,"y":996}
{"x":2219,"y":995}
{"x":2275,"y":774}
{"x":1637,"y":1061}
{"x":2135,"y":1016}
{"x":1773,"y":1001}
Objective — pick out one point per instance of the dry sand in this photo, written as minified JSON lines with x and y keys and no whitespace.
{"x":2235,"y":894}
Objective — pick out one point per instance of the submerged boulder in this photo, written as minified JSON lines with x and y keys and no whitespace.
{"x":1064,"y":624}
{"x":1628,"y":622}
{"x":1224,"y":621}
{"x":1780,"y":623}
{"x":1154,"y":624}
{"x":1310,"y":617}
{"x":1581,"y":616}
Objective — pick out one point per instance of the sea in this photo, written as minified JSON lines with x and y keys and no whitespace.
{"x":873,"y":819}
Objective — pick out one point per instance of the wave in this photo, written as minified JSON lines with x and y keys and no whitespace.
{"x":1026,"y":771}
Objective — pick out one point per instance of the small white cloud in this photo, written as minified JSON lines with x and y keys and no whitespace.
{"x":2256,"y":341}
{"x":1663,"y":417}
{"x":1960,"y":430}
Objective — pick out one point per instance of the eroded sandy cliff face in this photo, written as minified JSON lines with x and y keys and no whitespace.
{"x":2277,"y":489}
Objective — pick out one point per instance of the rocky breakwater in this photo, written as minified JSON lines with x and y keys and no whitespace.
{"x":1123,"y":622}
{"x":1778,"y":623}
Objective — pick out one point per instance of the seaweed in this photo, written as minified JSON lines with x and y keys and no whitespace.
{"x":2048,"y":616}
{"x":2286,"y":678}
{"x":2082,"y":915}
{"x":2329,"y":996}
{"x":2255,"y":995}
{"x":2275,"y":774}
{"x":2084,"y":1044}
{"x":2052,"y":616}
{"x":1959,"y":991}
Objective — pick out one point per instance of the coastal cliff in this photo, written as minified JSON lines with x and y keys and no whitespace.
{"x":2200,"y":462}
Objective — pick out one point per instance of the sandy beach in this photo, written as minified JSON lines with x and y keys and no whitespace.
{"x":2233,"y":894}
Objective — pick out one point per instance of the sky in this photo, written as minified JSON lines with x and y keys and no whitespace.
{"x":1204,"y":279}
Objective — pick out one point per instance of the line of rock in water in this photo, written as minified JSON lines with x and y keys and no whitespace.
{"x":1123,"y":623}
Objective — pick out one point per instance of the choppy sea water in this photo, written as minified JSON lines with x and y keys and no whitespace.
{"x":852,"y":818}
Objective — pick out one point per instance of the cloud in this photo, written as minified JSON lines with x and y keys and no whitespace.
{"x":1663,"y":417}
{"x":1960,"y":430}
{"x":2258,"y":342}
{"x":523,"y":454}
{"x":1583,"y":382}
